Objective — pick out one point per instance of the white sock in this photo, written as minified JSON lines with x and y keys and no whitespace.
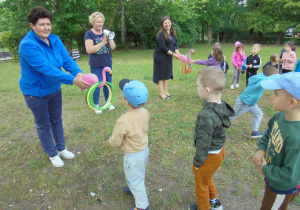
{"x":213,"y":201}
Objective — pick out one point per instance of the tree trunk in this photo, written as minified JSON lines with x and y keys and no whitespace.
{"x":218,"y":37}
{"x":114,"y":15}
{"x":202,"y":32}
{"x":224,"y":36}
{"x":251,"y":35}
{"x":278,"y":37}
{"x":209,"y":33}
{"x":123,"y":24}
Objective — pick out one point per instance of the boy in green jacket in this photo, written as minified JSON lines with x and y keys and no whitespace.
{"x":210,"y":136}
{"x":278,"y":150}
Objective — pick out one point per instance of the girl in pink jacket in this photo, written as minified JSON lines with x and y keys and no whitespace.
{"x":289,"y":57}
{"x":237,"y":61}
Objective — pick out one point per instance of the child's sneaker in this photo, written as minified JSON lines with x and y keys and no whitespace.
{"x":217,"y":205}
{"x":127,"y":191}
{"x":135,"y":208}
{"x":66,"y":154}
{"x":56,"y":161}
{"x":231,"y":87}
{"x":237,"y":85}
{"x":111,"y":107}
{"x":193,"y":207}
{"x":256,"y":134}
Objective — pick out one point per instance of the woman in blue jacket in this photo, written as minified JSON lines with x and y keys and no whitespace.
{"x":42,"y":55}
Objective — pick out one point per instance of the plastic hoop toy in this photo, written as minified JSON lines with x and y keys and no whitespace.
{"x":185,"y":59}
{"x":90,"y":93}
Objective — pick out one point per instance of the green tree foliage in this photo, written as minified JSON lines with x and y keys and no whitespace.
{"x":70,"y":19}
{"x":194,"y":20}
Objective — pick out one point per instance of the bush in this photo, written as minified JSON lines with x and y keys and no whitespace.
{"x":11,"y":42}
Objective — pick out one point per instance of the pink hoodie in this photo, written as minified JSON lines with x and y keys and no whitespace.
{"x":237,"y":59}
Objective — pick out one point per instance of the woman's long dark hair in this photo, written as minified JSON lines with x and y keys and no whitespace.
{"x":172,"y":30}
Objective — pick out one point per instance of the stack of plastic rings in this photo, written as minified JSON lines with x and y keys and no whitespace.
{"x":89,"y":96}
{"x":184,"y":69}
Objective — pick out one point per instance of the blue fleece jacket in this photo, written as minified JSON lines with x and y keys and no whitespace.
{"x":41,"y":64}
{"x":297,"y":68}
{"x":254,"y":91}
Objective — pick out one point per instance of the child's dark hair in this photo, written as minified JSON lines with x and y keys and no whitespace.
{"x":270,"y":70}
{"x":273,"y":57}
{"x":291,"y":45}
{"x":218,"y":52}
{"x":38,"y":12}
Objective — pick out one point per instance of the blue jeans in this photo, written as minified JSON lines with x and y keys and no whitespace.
{"x":47,"y":112}
{"x":135,"y":172}
{"x":98,"y":71}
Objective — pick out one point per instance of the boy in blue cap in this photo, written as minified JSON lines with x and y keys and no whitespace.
{"x":278,"y":150}
{"x":131,"y":135}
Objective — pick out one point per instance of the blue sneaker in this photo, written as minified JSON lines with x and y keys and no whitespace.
{"x":256,"y":134}
{"x":127,"y":191}
{"x":193,"y":207}
{"x":216,"y":206}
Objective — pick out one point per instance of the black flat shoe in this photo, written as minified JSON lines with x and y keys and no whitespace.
{"x":165,"y":98}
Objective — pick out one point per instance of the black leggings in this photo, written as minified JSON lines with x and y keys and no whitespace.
{"x":286,"y":71}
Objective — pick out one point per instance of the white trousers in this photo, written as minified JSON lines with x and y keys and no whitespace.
{"x":135,"y":171}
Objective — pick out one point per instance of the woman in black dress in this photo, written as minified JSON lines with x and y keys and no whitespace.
{"x":166,"y":48}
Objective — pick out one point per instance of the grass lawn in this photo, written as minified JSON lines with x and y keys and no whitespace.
{"x":28,"y":180}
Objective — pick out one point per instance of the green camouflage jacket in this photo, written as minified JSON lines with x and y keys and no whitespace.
{"x":209,"y":134}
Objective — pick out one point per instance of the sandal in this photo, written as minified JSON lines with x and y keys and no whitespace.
{"x":165,"y":98}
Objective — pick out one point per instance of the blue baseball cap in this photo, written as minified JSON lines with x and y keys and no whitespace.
{"x":135,"y":92}
{"x":290,"y":82}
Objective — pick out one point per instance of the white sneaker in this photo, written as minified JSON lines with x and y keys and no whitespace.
{"x":56,"y":161}
{"x":111,"y":107}
{"x":237,"y":85}
{"x":98,"y":111}
{"x":231,"y":87}
{"x":66,"y":154}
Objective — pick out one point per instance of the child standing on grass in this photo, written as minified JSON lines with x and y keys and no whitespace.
{"x":278,"y":150}
{"x":274,"y":58}
{"x":247,"y":101}
{"x":215,"y":60}
{"x":280,"y":63}
{"x":224,"y":65}
{"x":289,"y":57}
{"x":237,"y":61}
{"x":131,"y":135}
{"x":210,"y":136}
{"x":253,"y":62}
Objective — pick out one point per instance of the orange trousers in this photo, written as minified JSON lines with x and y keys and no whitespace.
{"x":204,"y":183}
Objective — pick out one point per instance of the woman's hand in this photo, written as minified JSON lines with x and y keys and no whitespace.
{"x":78,"y":81}
{"x":176,"y":56}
